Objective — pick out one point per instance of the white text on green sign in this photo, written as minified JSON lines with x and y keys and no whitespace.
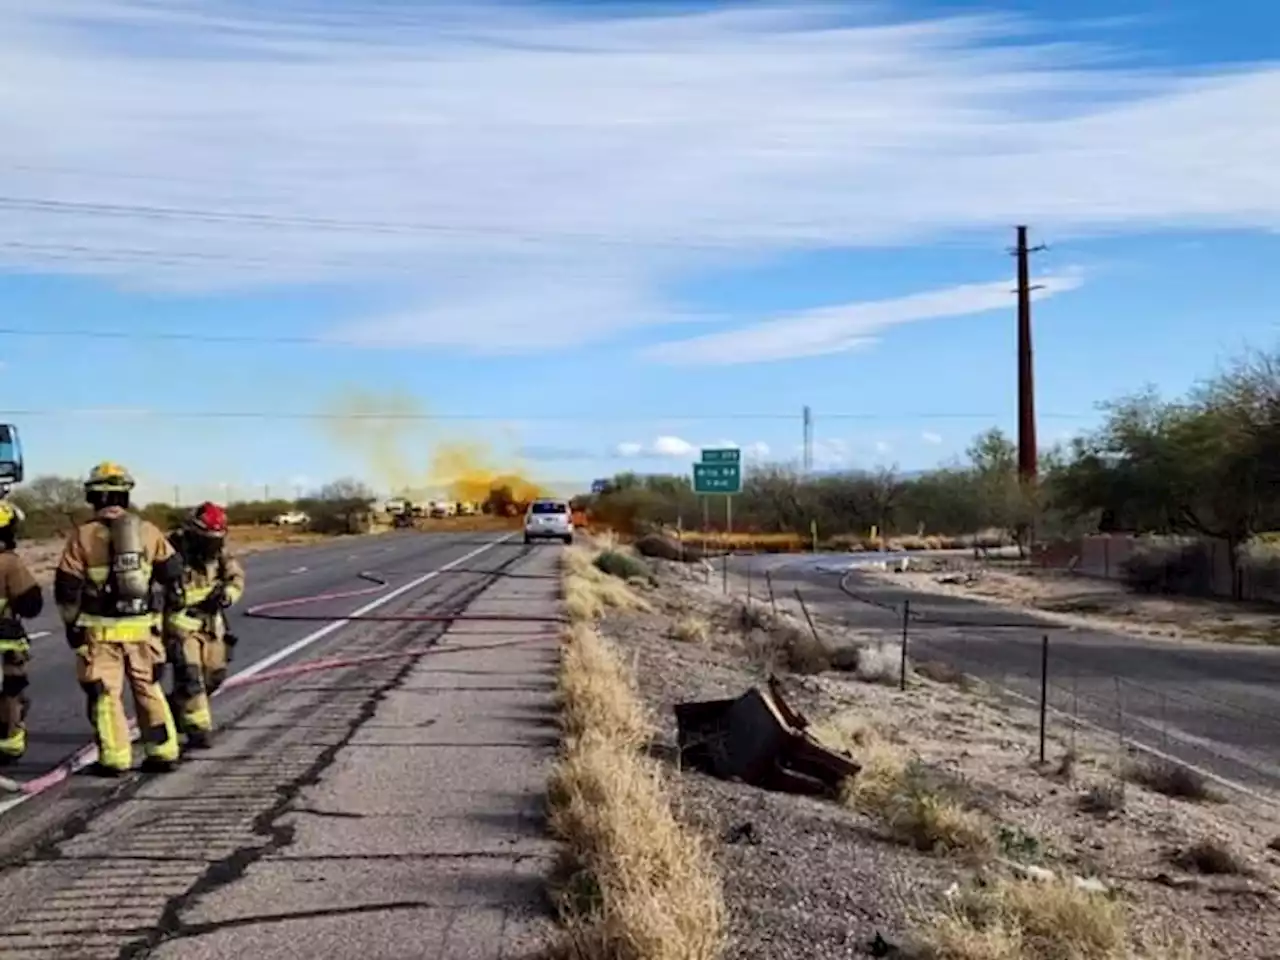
{"x":717,"y":478}
{"x":721,"y":455}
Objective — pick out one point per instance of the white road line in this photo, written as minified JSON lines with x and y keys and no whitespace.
{"x":299,"y":570}
{"x":90,"y":753}
{"x":38,"y":634}
{"x":309,"y":639}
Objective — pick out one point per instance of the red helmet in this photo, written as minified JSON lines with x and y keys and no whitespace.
{"x":208,"y":520}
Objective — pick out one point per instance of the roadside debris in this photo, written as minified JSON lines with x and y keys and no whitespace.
{"x":759,"y":739}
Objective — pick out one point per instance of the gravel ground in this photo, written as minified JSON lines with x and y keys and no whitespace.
{"x":805,"y":878}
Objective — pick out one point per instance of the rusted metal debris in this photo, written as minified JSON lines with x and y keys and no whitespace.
{"x":760,"y":739}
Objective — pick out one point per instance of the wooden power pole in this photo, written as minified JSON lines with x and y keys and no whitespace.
{"x":1027,"y":453}
{"x":807,"y":447}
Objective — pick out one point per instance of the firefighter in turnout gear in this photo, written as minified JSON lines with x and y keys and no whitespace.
{"x":105,"y":585}
{"x":20,"y":598}
{"x":196,"y":631}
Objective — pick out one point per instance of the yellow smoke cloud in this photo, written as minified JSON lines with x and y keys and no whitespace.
{"x":410,"y":456}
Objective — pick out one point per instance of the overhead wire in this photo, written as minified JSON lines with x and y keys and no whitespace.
{"x":495,"y":417}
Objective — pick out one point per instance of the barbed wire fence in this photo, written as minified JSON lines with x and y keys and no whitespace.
{"x":1152,"y":728}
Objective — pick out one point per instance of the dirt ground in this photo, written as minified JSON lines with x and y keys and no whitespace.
{"x":809,"y":878}
{"x":1091,"y":602}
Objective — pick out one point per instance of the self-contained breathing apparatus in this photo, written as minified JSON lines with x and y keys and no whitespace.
{"x":127,"y":592}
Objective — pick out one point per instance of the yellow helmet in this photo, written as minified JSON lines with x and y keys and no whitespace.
{"x":9,"y":514}
{"x":109,"y":477}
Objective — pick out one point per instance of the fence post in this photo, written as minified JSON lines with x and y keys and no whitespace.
{"x":1044,"y":690}
{"x":768,"y":582}
{"x":906,"y":618}
{"x":805,"y":610}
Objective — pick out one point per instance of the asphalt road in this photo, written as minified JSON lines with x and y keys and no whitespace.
{"x":57,"y":725}
{"x":1216,"y":706}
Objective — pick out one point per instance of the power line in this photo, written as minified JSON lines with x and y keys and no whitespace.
{"x":496,"y":418}
{"x":158,"y":335}
{"x":551,"y":234}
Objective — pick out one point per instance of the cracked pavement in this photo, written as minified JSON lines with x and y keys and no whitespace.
{"x":390,"y":810}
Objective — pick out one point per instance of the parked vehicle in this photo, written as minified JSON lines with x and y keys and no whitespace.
{"x":548,"y":520}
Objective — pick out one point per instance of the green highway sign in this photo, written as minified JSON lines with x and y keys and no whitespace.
{"x":717,"y":477}
{"x":721,"y":455}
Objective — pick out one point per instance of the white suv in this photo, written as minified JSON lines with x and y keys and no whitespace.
{"x":548,"y":520}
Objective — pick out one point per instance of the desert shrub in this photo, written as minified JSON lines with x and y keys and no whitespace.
{"x":622,"y":565}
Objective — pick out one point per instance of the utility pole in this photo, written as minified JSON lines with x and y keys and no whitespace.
{"x":807,"y":459}
{"x":1027,"y":454}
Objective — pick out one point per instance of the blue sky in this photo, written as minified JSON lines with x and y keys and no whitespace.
{"x":591,"y":238}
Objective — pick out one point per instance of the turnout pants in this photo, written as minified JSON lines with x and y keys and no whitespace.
{"x":104,"y":669}
{"x":199,"y":669}
{"x":14,"y":703}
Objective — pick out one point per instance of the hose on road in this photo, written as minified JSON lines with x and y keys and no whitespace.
{"x":379,"y":582}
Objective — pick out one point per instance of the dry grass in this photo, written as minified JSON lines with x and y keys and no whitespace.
{"x":1170,"y":779}
{"x":692,"y":629}
{"x":1211,"y":858}
{"x":634,"y":884}
{"x":589,"y":591}
{"x":895,"y":789}
{"x":778,"y":641}
{"x":270,"y":536}
{"x":1027,"y":920}
{"x":595,"y":692}
{"x":878,"y":663}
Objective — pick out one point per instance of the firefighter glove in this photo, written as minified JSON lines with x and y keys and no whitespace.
{"x":215,"y":601}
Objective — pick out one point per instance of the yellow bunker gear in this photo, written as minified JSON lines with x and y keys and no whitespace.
{"x":104,"y":588}
{"x":196,"y":633}
{"x":20,"y":597}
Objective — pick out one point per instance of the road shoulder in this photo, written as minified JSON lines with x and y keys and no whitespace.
{"x":388,"y":811}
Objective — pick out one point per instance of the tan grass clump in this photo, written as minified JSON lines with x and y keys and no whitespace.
{"x":634,"y":883}
{"x":1010,"y":919}
{"x":895,"y":790}
{"x":595,"y":692}
{"x":589,"y":591}
{"x":692,"y":629}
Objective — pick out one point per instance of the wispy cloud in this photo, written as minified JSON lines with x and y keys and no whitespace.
{"x":518,"y":179}
{"x":845,"y":327}
{"x":931,"y":438}
{"x":680,"y":448}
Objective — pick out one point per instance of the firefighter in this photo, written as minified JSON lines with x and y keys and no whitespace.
{"x":104,"y":586}
{"x":196,"y":631}
{"x":20,"y":598}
